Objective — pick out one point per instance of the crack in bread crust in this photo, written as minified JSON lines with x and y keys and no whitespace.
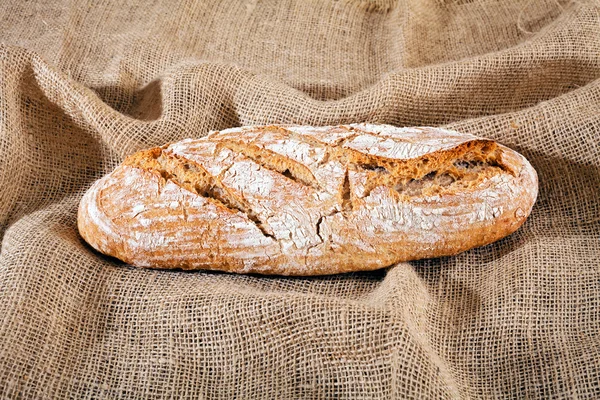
{"x":381,"y":171}
{"x":273,"y":161}
{"x":463,"y":167}
{"x":196,"y":179}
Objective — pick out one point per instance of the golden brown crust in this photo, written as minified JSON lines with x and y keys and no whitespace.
{"x":308,"y":200}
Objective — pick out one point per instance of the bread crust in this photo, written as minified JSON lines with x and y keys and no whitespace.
{"x":298,"y":200}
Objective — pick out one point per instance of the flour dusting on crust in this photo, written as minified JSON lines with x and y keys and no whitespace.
{"x":300,"y":200}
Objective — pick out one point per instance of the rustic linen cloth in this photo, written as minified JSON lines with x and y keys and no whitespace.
{"x":85,"y":83}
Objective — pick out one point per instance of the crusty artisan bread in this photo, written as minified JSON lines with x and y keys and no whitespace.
{"x":301,"y":200}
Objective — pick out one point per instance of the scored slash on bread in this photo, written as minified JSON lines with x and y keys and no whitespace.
{"x":300,"y":200}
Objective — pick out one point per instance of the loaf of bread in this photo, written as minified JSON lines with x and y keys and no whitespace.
{"x":301,"y":200}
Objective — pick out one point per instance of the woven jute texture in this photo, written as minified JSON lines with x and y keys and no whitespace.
{"x":85,"y":83}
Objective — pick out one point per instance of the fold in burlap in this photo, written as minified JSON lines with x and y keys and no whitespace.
{"x":83,"y":84}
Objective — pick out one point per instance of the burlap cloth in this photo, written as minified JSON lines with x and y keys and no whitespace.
{"x":85,"y":83}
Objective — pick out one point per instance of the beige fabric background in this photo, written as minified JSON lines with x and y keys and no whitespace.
{"x":84,"y":83}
